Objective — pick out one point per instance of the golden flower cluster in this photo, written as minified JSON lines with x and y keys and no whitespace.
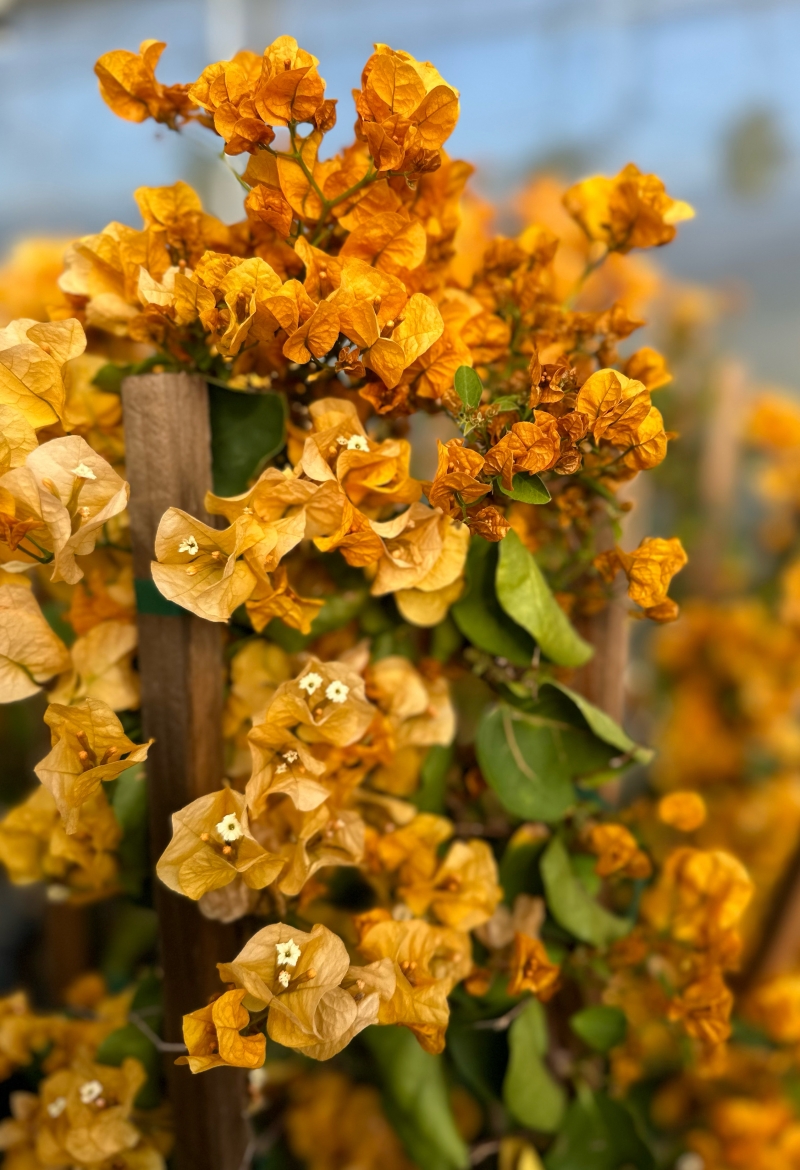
{"x":409,"y":830}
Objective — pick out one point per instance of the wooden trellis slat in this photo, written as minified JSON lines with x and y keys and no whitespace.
{"x":168,"y":463}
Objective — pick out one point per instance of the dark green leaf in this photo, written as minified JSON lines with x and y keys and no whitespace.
{"x":129,"y":803}
{"x":526,"y":597}
{"x":519,"y":869}
{"x":131,"y":938}
{"x":468,"y":387}
{"x":130,"y":1041}
{"x":446,"y":640}
{"x":430,"y":795}
{"x":478,"y":614}
{"x":571,"y":905}
{"x":527,"y":488}
{"x":530,"y":1093}
{"x":479,"y":1057}
{"x":601,"y":1027}
{"x":109,"y":377}
{"x":246,"y":431}
{"x":522,"y":758}
{"x":598,"y":1134}
{"x":338,"y":610}
{"x":604,"y":726}
{"x":416,"y":1100}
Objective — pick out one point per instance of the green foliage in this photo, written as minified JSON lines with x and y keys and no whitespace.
{"x":478,"y":614}
{"x":598,"y":1134}
{"x":130,"y":939}
{"x":571,"y":905}
{"x":131,"y":1041}
{"x":519,"y":869}
{"x":415,"y":1098}
{"x":527,"y":488}
{"x":521,"y":756}
{"x":604,"y":726}
{"x":530,"y":1093}
{"x":526,"y":597}
{"x":468,"y":387}
{"x":339,"y":609}
{"x":430,"y":795}
{"x":531,"y":757}
{"x":601,"y":1027}
{"x":479,"y":1057}
{"x":129,"y":802}
{"x":246,"y":431}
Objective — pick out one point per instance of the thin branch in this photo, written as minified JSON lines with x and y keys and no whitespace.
{"x":153,"y":1037}
{"x":501,"y":1023}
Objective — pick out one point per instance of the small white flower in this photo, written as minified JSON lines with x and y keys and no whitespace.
{"x":291,"y":756}
{"x":310,"y":683}
{"x":83,"y":472}
{"x":281,"y":768}
{"x":229,"y":828}
{"x":57,"y":892}
{"x":288,"y":953}
{"x":357,"y":443}
{"x":189,"y":545}
{"x":341,"y":440}
{"x":57,"y":1106}
{"x":337,"y":691}
{"x":283,"y":979}
{"x":90,"y":1091}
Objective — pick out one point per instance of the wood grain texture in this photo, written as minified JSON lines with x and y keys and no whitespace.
{"x":168,"y":463}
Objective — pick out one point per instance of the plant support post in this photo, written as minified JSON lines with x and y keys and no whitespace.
{"x":168,"y":460}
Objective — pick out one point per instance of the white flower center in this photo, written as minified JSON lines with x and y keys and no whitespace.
{"x":310,"y":683}
{"x":90,"y":1091}
{"x":337,"y":691}
{"x":189,"y":545}
{"x":288,"y":953}
{"x":357,"y":443}
{"x":57,"y":1107}
{"x":83,"y":472}
{"x":283,"y":979}
{"x":229,"y":828}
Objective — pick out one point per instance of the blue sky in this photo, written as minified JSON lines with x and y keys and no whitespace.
{"x":596,"y":83}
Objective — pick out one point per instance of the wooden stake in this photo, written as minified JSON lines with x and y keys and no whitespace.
{"x":168,"y":463}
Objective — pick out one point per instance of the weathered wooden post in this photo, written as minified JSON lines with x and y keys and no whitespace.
{"x":168,"y":462}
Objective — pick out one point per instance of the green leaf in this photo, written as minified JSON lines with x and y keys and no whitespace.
{"x":469,"y":387}
{"x":598,"y":1134}
{"x":526,"y":597}
{"x":479,"y":1057}
{"x":129,"y":803}
{"x":530,"y":1093}
{"x":132,"y":935}
{"x":478,"y":614}
{"x":519,"y":869}
{"x":246,"y":431}
{"x":604,"y":726}
{"x":522,"y":758}
{"x":527,"y":488}
{"x":601,"y":1027}
{"x":430,"y":795}
{"x":338,"y":610}
{"x":130,"y":1041}
{"x":416,"y":1100}
{"x":571,"y":905}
